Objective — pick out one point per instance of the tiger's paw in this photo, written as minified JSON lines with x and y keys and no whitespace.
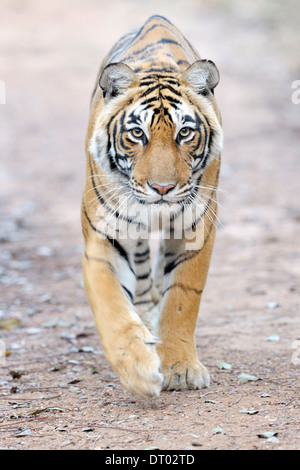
{"x":185,"y":375}
{"x":138,"y":367}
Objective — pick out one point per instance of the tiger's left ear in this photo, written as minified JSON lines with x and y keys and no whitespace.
{"x":202,"y":75}
{"x":115,"y":79}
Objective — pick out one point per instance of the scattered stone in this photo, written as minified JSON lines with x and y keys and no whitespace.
{"x":272,"y":338}
{"x":250,"y":412}
{"x":33,"y":331}
{"x":44,"y":251}
{"x":273,"y":304}
{"x":219,"y":430}
{"x":224,"y":365}
{"x":273,"y":440}
{"x":267,"y":435}
{"x":247,"y":378}
{"x":87,"y":349}
{"x":24,"y":433}
{"x":45,"y":298}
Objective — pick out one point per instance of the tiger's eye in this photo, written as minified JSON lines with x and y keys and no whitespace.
{"x":185,"y":132}
{"x":137,"y":132}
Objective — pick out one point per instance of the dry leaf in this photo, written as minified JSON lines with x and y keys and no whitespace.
{"x":247,"y":378}
{"x":16,"y":374}
{"x":9,"y":323}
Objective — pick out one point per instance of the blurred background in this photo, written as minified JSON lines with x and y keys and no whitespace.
{"x":50,"y":53}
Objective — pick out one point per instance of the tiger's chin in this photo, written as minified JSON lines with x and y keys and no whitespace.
{"x":162,"y":215}
{"x":164,"y":200}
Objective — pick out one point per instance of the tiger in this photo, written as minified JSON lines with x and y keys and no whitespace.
{"x":153,"y":154}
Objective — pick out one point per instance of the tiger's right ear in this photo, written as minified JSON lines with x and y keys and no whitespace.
{"x":115,"y":79}
{"x":202,"y":75}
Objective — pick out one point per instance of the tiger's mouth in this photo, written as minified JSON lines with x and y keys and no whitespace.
{"x":164,"y":194}
{"x":167,"y":200}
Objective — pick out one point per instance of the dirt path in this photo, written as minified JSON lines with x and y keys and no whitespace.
{"x":57,"y":390}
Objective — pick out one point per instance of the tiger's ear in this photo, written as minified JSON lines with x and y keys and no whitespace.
{"x":202,"y":75}
{"x":115,"y":79}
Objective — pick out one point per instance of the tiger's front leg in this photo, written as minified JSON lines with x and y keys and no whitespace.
{"x":147,"y":297}
{"x":128,"y":344}
{"x":185,"y":273}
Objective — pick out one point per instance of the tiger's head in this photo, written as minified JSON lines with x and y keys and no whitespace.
{"x":156,"y":133}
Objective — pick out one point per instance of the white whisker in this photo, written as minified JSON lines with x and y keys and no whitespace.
{"x":211,"y":187}
{"x":115,"y":193}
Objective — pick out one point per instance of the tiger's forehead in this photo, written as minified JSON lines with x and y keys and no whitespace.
{"x":161,"y":100}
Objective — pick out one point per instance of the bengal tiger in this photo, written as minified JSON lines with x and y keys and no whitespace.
{"x":153,"y":147}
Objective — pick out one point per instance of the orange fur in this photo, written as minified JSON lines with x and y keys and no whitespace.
{"x":154,"y":123}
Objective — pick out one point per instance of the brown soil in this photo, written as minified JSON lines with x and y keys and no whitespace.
{"x":57,"y":390}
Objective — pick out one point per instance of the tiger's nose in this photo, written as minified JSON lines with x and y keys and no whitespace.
{"x":162,"y":189}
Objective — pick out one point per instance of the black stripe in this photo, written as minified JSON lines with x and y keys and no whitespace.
{"x":100,"y":198}
{"x":149,"y":100}
{"x":154,"y":46}
{"x":144,"y":253}
{"x":169,"y":87}
{"x":169,"y":268}
{"x":145,"y":81}
{"x":112,"y":241}
{"x":155,"y":25}
{"x":150,"y":90}
{"x":188,"y":118}
{"x":100,"y":260}
{"x":141,"y":261}
{"x":112,"y":210}
{"x":122,"y":252}
{"x":133,"y":119}
{"x":169,"y":254}
{"x":143,"y":276}
{"x":208,"y":151}
{"x":145,"y":291}
{"x":207,"y":206}
{"x":172,"y":81}
{"x":108,"y":130}
{"x":155,"y":112}
{"x":184,"y":288}
{"x":167,"y":113}
{"x":181,"y":62}
{"x":172,"y":100}
{"x":140,"y":302}
{"x":128,"y":293}
{"x":155,"y":72}
{"x":140,"y":258}
{"x":183,"y":256}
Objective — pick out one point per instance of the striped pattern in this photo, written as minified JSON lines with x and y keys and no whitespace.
{"x":154,"y":122}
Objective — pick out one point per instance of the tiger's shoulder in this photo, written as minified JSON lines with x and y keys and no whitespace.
{"x":157,"y":46}
{"x":158,"y":40}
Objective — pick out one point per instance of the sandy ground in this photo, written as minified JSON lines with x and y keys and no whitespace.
{"x":57,"y":390}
